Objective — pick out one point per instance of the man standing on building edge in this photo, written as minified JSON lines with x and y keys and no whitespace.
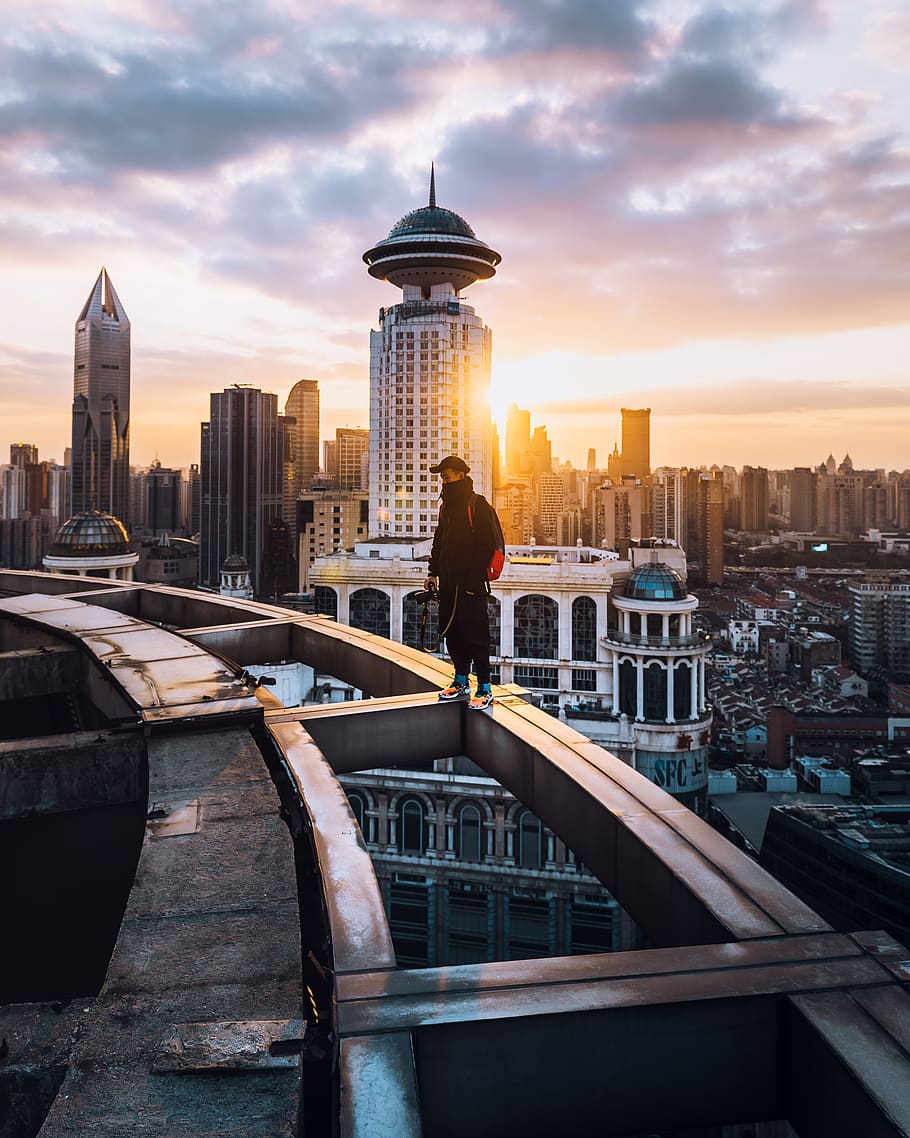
{"x":463,"y":544}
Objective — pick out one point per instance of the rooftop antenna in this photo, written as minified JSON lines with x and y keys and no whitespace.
{"x":432,"y":185}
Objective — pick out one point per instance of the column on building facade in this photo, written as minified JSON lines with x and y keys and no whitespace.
{"x":564,"y":641}
{"x":694,"y":686}
{"x":507,"y":624}
{"x":396,"y":601}
{"x":665,"y":626}
{"x":440,"y":839}
{"x":344,"y":603}
{"x":639,"y":689}
{"x":615,"y":656}
{"x":701,"y":683}
{"x":601,"y":627}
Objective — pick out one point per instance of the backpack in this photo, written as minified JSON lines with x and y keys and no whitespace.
{"x":498,"y":558}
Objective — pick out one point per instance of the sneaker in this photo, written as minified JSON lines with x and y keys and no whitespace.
{"x":455,"y":691}
{"x":482,"y":700}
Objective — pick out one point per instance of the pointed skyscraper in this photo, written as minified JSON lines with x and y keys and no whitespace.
{"x":101,"y":404}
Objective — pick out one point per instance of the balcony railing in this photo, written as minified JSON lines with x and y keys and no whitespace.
{"x":695,"y":640}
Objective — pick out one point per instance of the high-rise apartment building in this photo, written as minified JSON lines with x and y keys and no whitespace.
{"x":876,"y":506}
{"x":163,"y":500}
{"x":667,"y":504}
{"x":12,"y":491}
{"x":518,"y":441}
{"x":242,"y":459}
{"x":550,"y":504}
{"x":429,"y":368}
{"x":21,"y":454}
{"x":514,"y":504}
{"x":880,"y":626}
{"x":616,"y":517}
{"x":802,"y":499}
{"x":352,"y":458}
{"x":636,"y":442}
{"x":754,"y":499}
{"x":900,"y":508}
{"x":101,"y":404}
{"x":328,"y":521}
{"x":839,"y":505}
{"x":302,"y":406}
{"x":710,"y":531}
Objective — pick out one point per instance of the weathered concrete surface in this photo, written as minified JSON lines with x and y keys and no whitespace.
{"x":38,"y":671}
{"x":39,"y":1040}
{"x":210,"y":935}
{"x":70,"y":772}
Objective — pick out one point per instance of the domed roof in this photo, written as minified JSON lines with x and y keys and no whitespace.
{"x":432,"y":219}
{"x":91,"y":533}
{"x":431,"y":246}
{"x":655,"y":582}
{"x":235,"y":563}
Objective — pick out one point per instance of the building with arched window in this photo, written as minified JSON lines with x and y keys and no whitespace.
{"x":608,"y":644}
{"x":470,"y":874}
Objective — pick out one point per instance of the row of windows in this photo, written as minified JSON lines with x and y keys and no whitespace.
{"x":435,"y":924}
{"x":412,"y":829}
{"x":536,"y":623}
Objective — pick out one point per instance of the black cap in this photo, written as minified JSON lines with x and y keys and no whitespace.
{"x":451,"y":462}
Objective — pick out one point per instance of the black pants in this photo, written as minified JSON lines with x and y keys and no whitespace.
{"x":463,"y":613}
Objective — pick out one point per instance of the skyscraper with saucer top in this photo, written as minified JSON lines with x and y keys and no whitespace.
{"x":429,"y":368}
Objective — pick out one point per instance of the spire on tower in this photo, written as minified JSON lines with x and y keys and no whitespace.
{"x":103,"y":301}
{"x":432,"y":202}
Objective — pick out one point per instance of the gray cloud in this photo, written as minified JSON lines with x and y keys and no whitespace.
{"x":703,"y":92}
{"x":183,"y":109}
{"x":644,"y":188}
{"x":617,"y":26}
{"x":749,"y":32}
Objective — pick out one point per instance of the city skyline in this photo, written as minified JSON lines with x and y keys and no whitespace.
{"x":699,"y":210}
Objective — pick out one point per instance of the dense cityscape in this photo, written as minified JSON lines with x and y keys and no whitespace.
{"x":272,"y":868}
{"x":780,"y":664}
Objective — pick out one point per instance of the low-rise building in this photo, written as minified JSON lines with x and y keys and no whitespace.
{"x":607,"y":644}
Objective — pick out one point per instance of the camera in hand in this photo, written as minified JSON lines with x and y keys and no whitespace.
{"x":425,"y":596}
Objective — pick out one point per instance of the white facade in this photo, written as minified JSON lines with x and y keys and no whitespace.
{"x":429,"y":397}
{"x":666,"y":503}
{"x":562,"y":630}
{"x":429,"y":368}
{"x":12,"y":491}
{"x":116,"y":567}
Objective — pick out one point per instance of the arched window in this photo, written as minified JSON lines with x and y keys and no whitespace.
{"x":628,"y":688}
{"x":411,"y":618}
{"x":469,"y":834}
{"x":584,"y":629}
{"x":536,"y":628}
{"x":655,"y":692}
{"x":359,"y":807}
{"x":325,"y":601}
{"x":495,"y":610}
{"x":529,"y":840}
{"x":682,"y":691}
{"x":411,"y":827}
{"x":371,"y":611}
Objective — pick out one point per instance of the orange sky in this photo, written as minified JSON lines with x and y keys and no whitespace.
{"x":700,"y":209}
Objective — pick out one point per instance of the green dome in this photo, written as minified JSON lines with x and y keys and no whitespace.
{"x":655,"y":582}
{"x":91,"y":534}
{"x":432,"y":219}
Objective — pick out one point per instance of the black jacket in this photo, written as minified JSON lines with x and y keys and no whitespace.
{"x":461,"y":551}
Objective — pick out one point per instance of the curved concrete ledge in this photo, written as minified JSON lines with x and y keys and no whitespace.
{"x":752,"y":990}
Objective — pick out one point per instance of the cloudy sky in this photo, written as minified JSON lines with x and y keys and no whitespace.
{"x":701,"y":207}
